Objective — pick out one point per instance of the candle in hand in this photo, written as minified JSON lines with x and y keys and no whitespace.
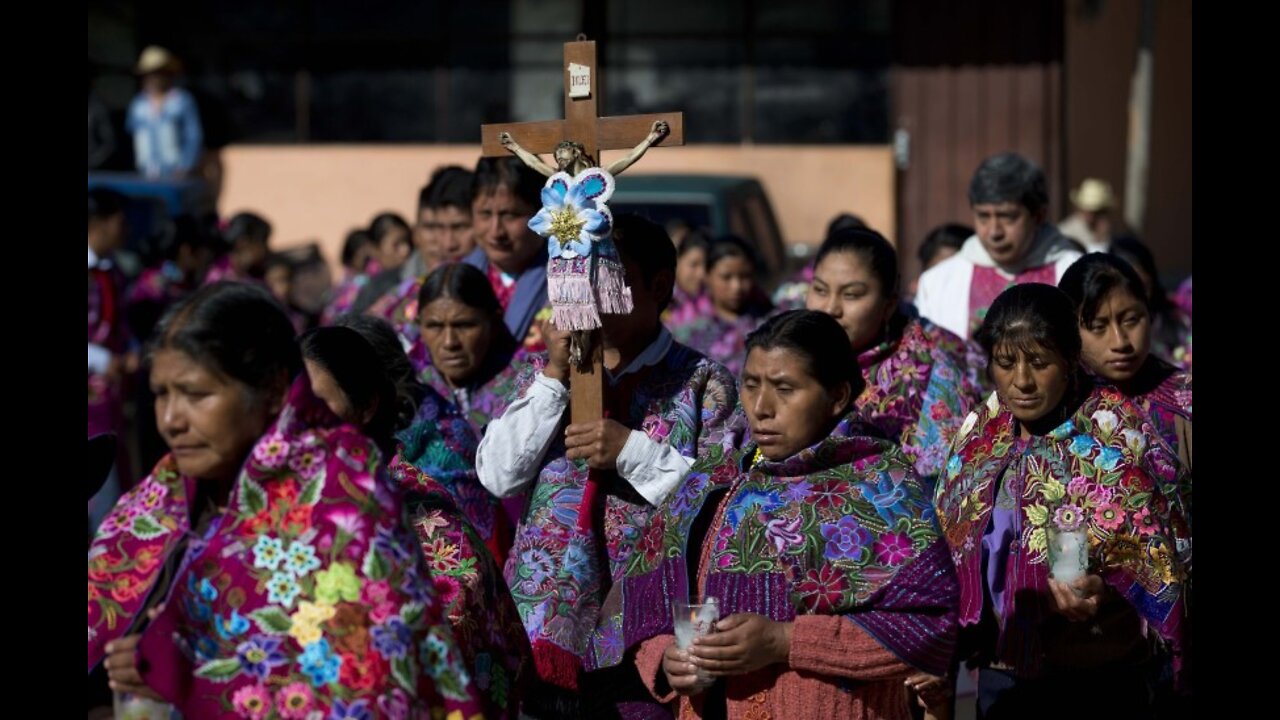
{"x":1067,"y":555}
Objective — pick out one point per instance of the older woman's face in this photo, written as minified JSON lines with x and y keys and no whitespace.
{"x":209,"y":421}
{"x":1031,"y":382}
{"x":787,"y":407}
{"x":458,"y":337}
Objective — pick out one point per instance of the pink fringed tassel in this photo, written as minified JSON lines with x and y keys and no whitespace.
{"x":573,"y":304}
{"x":612,"y":294}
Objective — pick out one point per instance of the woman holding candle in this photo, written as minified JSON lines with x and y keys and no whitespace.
{"x":263,"y":566}
{"x":1050,"y":454}
{"x":832,"y":583}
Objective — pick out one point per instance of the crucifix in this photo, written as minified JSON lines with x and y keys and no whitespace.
{"x":578,"y":228}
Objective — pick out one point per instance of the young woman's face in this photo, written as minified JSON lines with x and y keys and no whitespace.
{"x":730,"y":283}
{"x":845,"y":288}
{"x":1116,"y":343}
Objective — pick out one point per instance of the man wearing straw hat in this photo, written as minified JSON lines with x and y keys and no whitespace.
{"x":163,"y":119}
{"x":1091,"y":222}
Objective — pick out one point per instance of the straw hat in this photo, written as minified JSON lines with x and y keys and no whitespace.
{"x":1093,"y":195}
{"x":156,"y":59}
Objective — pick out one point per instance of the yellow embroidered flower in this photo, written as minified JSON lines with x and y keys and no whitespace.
{"x":1038,"y":543}
{"x":1037,"y":514}
{"x":1053,"y":490}
{"x":313,"y":612}
{"x":306,"y":621}
{"x":305,"y":633}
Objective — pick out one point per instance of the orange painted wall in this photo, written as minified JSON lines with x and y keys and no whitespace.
{"x":319,"y":192}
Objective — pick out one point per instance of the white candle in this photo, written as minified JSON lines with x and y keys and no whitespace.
{"x":693,"y":621}
{"x":1067,"y":551}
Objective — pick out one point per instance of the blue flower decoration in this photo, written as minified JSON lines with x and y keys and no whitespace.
{"x":1108,"y":458}
{"x":574,"y":214}
{"x":1082,"y":445}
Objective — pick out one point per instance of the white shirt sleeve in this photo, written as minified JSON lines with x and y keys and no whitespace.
{"x":99,"y":359}
{"x":654,"y":469}
{"x":942,"y":295}
{"x":511,"y":452}
{"x":924,"y":300}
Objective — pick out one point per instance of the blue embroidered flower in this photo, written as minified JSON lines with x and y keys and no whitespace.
{"x":357,"y":710}
{"x":206,"y":648}
{"x":392,"y":638}
{"x":301,"y":558}
{"x":577,"y":562}
{"x":564,"y":506}
{"x":1082,"y":445}
{"x":235,"y":624}
{"x":207,"y":590}
{"x":750,"y":502}
{"x":573,"y":213}
{"x":845,"y":539}
{"x":1063,"y":431}
{"x":259,"y":654}
{"x":1108,"y":458}
{"x":386,"y":542}
{"x":319,"y":663}
{"x":282,"y":589}
{"x":434,"y":655}
{"x":887,"y":497}
{"x":268,"y":552}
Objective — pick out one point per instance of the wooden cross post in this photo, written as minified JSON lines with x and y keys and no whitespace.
{"x":583,"y":124}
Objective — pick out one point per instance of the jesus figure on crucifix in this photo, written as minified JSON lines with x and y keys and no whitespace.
{"x":571,"y":156}
{"x":584,"y":276}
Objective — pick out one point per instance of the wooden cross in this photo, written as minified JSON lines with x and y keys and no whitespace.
{"x":583,"y":124}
